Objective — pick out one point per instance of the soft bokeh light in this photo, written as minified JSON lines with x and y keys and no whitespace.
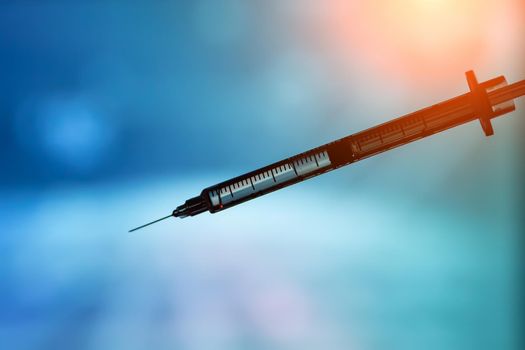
{"x":423,"y":41}
{"x":66,"y":130}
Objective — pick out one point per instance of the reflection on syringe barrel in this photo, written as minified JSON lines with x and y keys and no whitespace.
{"x":349,"y":149}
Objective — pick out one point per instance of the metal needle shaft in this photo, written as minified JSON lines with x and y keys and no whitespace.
{"x":150,"y":223}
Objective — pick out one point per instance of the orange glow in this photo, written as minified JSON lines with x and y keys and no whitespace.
{"x":428,"y":28}
{"x":436,"y":36}
{"x":411,"y":39}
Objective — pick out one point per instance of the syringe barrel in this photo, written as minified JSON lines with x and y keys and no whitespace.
{"x":268,"y":179}
{"x":397,"y":132}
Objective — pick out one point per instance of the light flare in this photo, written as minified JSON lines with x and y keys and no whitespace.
{"x":434,"y":40}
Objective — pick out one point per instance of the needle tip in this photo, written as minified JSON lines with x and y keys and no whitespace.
{"x":149,"y":223}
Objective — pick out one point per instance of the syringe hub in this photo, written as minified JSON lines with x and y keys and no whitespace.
{"x":191,"y":207}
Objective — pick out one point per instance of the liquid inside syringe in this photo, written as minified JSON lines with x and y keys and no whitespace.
{"x":484,"y":102}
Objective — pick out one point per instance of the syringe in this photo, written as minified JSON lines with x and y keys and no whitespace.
{"x":485,"y":101}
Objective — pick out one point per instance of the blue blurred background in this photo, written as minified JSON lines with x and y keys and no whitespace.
{"x":113,"y":113}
